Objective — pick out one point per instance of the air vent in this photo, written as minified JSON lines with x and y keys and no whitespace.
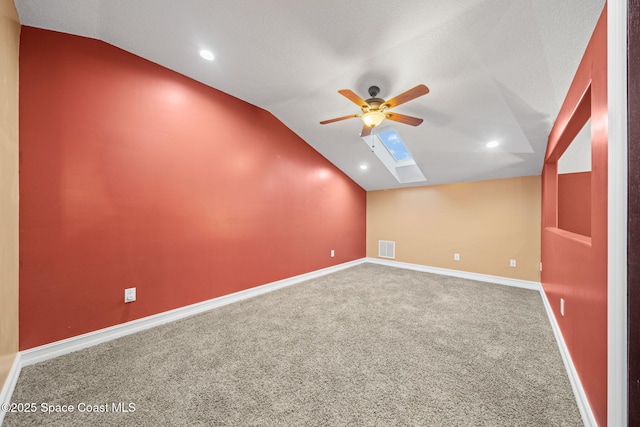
{"x":386,"y":249}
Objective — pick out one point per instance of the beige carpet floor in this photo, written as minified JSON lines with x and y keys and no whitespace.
{"x":367,"y":346}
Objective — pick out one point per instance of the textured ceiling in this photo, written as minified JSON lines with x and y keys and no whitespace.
{"x":497,"y":69}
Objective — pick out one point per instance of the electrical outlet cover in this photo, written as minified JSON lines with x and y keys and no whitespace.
{"x":129,"y":294}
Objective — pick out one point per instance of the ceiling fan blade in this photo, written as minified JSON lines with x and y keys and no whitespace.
{"x":351,"y":96}
{"x":407,"y":120}
{"x":407,"y":96}
{"x":366,"y":131}
{"x":340,"y":118}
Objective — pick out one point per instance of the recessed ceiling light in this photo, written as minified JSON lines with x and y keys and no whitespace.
{"x":492,"y":144}
{"x":364,"y":167}
{"x":206,"y":54}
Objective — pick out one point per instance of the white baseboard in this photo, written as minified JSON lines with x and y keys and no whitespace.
{"x":79,"y":342}
{"x":462,"y":274}
{"x":58,"y":348}
{"x":588,"y":419}
{"x":10,"y":384}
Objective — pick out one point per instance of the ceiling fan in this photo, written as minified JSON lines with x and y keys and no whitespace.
{"x":375,"y":110}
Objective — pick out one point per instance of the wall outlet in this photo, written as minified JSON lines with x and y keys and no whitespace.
{"x":333,"y":253}
{"x":456,"y":257}
{"x":130,"y":295}
{"x":512,"y":263}
{"x":562,"y":306}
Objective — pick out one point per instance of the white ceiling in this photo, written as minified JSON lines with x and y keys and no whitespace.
{"x":497,"y":69}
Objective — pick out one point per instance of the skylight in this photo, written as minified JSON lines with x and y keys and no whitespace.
{"x":387,"y":145}
{"x":394,"y":145}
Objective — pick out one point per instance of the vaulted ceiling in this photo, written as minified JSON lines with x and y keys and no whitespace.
{"x":497,"y":70}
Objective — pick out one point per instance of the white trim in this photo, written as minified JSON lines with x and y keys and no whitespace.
{"x":59,"y":348}
{"x":507,"y":281}
{"x":617,"y":363}
{"x":79,"y":342}
{"x":588,"y":419}
{"x":10,"y":384}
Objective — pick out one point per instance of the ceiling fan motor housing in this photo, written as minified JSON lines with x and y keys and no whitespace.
{"x":373,"y":104}
{"x":374,"y":91}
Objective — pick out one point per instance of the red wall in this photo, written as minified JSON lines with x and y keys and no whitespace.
{"x":575,"y":266}
{"x":574,"y":202}
{"x":133,"y":175}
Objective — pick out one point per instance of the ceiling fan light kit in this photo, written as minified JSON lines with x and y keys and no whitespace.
{"x":373,"y":118}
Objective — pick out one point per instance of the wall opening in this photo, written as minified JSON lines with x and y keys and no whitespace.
{"x":574,"y":184}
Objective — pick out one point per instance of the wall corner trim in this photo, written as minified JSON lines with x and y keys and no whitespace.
{"x":588,"y":419}
{"x":507,"y":281}
{"x":10,"y":384}
{"x":69,"y":345}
